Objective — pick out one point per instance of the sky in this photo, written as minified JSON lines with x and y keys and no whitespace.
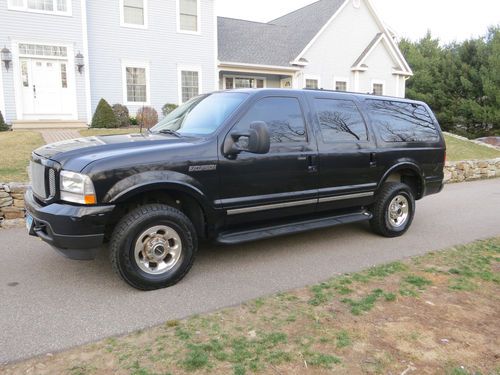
{"x":449,"y":20}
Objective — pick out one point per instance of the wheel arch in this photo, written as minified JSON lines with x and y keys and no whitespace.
{"x":408,"y":173}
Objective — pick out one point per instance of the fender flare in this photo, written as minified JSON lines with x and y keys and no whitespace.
{"x":405,"y":165}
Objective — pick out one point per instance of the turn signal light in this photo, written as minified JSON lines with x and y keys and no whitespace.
{"x":90,"y":199}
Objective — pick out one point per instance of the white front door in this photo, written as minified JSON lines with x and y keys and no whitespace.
{"x":46,"y":89}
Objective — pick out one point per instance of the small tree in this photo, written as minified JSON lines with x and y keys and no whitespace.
{"x":167,"y":108}
{"x":104,"y":116}
{"x":122,"y":115}
{"x":3,"y":125}
{"x":147,"y":117}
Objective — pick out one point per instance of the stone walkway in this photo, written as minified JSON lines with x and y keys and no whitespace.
{"x":58,"y":135}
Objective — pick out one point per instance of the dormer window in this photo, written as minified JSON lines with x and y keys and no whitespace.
{"x":188,"y":16}
{"x":59,"y":7}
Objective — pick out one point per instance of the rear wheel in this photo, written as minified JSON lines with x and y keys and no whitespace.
{"x":153,"y":247}
{"x":394,"y":210}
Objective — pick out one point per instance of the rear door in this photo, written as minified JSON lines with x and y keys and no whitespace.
{"x":348,"y":152}
{"x":283,"y":182}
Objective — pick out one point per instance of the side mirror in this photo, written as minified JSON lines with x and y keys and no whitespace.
{"x":256,"y":141}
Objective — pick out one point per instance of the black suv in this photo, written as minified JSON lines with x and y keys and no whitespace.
{"x":232,"y":167}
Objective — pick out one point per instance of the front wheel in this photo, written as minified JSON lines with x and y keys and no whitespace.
{"x":153,"y":247}
{"x":394,"y":210}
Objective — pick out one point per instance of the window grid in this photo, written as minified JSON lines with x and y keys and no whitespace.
{"x":49,"y":6}
{"x":188,"y":15}
{"x":42,"y":50}
{"x":190,"y":84}
{"x":64,"y":76}
{"x":378,"y":89}
{"x":133,"y":12}
{"x":341,"y":86}
{"x":136,"y":85}
{"x":312,"y":84}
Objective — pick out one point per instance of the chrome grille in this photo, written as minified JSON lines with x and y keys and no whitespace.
{"x":43,"y":180}
{"x":38,"y":180}
{"x":52,"y":182}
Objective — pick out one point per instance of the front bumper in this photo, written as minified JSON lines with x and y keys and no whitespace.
{"x":75,"y":231}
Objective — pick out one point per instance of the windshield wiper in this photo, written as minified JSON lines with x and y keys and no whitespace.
{"x":170,"y":132}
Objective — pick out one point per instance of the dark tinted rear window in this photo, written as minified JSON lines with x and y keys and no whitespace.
{"x":402,"y":122}
{"x":340,"y":120}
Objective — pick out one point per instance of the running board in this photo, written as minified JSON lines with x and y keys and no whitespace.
{"x":237,"y":237}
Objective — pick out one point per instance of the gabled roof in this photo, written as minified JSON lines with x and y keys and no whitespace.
{"x":275,"y":43}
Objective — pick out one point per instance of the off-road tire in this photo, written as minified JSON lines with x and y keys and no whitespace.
{"x":380,"y":223}
{"x":126,"y":234}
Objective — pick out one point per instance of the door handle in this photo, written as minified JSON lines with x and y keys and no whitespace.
{"x":373,"y":159}
{"x":34,"y":91}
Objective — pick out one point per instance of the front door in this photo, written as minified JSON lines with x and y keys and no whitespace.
{"x":283,"y":182}
{"x":45,"y":89}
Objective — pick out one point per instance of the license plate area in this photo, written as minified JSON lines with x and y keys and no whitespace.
{"x":29,"y":223}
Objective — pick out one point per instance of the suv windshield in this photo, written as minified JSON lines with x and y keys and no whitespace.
{"x":201,"y":115}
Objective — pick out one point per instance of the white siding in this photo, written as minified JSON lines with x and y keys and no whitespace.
{"x":160,"y":45}
{"x":336,"y":50}
{"x":40,"y":28}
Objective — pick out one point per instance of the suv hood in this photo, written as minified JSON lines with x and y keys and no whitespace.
{"x":76,"y":154}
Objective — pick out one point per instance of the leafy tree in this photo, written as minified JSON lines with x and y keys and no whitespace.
{"x":167,"y":108}
{"x":104,"y":116}
{"x":460,"y":81}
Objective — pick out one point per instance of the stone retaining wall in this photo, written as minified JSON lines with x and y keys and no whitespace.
{"x":470,"y":170}
{"x":12,"y":201}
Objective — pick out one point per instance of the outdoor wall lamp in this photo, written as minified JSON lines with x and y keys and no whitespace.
{"x":6,"y":56}
{"x":79,"y":62}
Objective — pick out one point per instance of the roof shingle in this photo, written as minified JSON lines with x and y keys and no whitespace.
{"x":275,"y":43}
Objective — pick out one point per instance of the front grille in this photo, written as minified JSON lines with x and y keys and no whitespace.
{"x":43,"y":180}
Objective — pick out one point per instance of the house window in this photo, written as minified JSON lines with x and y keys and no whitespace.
{"x":24,"y":73}
{"x":341,"y":85}
{"x":312,"y":84}
{"x":244,"y":83}
{"x":136,"y":85}
{"x":190,"y":84}
{"x":188,"y":15}
{"x":44,"y":6}
{"x":378,"y":89}
{"x":42,"y":50}
{"x":134,"y":13}
{"x":64,"y":76}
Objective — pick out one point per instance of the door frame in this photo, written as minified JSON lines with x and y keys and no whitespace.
{"x":71,"y":72}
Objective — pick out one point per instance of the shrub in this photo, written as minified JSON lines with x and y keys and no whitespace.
{"x":3,"y":125}
{"x":167,"y":108}
{"x":104,"y":116}
{"x":122,"y":115}
{"x":147,"y":117}
{"x":133,"y":121}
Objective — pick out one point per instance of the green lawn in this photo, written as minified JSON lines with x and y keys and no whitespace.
{"x":15,"y":152}
{"x":465,"y":150}
{"x":92,"y":132}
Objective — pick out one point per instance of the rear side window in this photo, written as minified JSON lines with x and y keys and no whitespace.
{"x":340,"y":121}
{"x":402,"y":122}
{"x":282,"y":115}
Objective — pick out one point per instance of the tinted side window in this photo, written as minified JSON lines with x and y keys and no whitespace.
{"x":340,"y":120}
{"x":283,"y":116}
{"x":402,"y":122}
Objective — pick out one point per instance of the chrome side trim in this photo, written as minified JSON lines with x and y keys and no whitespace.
{"x":275,"y":206}
{"x":348,"y":196}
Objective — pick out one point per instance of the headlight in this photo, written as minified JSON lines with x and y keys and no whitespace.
{"x":77,"y":188}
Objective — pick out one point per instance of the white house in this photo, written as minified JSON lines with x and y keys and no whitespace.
{"x":330,"y":44}
{"x":60,"y":57}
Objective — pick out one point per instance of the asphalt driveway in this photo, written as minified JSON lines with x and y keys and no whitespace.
{"x":49,"y":303}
